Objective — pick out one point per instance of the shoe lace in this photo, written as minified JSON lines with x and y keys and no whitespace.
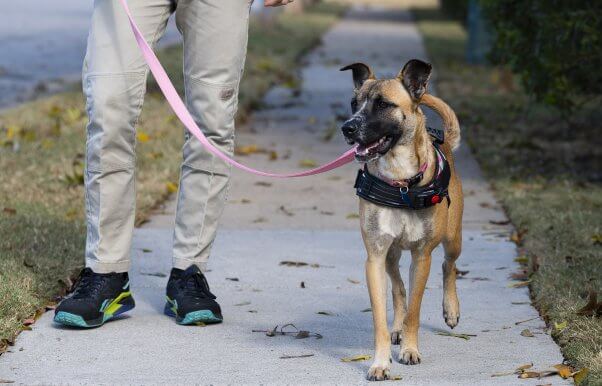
{"x":195,"y":286}
{"x":88,"y":285}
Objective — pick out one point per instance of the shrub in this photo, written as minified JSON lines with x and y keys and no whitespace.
{"x":555,"y":46}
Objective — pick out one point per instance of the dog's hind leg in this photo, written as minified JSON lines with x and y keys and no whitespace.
{"x":399,"y":293}
{"x":377,"y":287}
{"x":451,"y":306}
{"x":419,"y":273}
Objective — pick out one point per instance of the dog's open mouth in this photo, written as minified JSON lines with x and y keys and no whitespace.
{"x":365,"y":153}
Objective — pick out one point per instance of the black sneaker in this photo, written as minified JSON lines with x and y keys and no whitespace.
{"x":96,"y":299}
{"x":189,"y":298}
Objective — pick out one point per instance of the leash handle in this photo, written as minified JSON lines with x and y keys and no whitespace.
{"x":179,"y":108}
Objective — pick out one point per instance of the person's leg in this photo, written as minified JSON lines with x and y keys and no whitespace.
{"x":215,"y":42}
{"x":114,"y":79}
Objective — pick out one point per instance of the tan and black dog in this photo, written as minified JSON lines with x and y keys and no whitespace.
{"x":390,"y":129}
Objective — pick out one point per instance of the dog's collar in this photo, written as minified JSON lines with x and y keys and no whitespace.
{"x":385,"y":193}
{"x":407,"y":182}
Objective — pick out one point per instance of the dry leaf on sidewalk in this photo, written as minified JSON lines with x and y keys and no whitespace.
{"x":453,"y":335}
{"x":527,"y":333}
{"x":357,"y":358}
{"x":307,"y":163}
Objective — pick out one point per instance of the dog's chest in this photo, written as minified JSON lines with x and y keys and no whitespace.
{"x":407,"y":227}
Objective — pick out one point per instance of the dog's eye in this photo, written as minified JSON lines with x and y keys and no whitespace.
{"x":353,"y":105}
{"x":383,"y":104}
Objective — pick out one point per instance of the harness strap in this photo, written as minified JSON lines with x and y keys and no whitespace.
{"x":379,"y":192}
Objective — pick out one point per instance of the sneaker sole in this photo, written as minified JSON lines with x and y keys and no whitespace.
{"x":122,"y":303}
{"x":194,"y":317}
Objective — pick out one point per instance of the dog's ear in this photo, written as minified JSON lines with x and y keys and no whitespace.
{"x":361,"y":73}
{"x":415,"y":76}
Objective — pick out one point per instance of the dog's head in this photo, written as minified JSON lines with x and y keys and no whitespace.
{"x":385,"y":111}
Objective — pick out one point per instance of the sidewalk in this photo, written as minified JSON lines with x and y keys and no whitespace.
{"x":310,"y":220}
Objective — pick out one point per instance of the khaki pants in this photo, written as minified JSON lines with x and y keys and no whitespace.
{"x":114,"y":79}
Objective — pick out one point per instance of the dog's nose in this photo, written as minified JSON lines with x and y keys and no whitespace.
{"x":349,"y":128}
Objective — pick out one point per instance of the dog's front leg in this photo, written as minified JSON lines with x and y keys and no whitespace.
{"x":419,"y":273}
{"x":377,"y":287}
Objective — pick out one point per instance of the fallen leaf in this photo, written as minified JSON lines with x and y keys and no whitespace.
{"x":518,"y":303}
{"x":288,"y":263}
{"x":524,"y":260}
{"x":157,"y":274}
{"x":597,"y":239}
{"x":460,"y":273}
{"x":263,"y":183}
{"x":560,"y":326}
{"x":146,"y":250}
{"x":527,"y":333}
{"x":260,"y":220}
{"x":580,"y":375}
{"x":252,"y":311}
{"x":307,"y":163}
{"x":503,"y":222}
{"x":529,"y":374}
{"x":351,"y":216}
{"x":245,"y":201}
{"x":171,"y":187}
{"x":247,"y":150}
{"x":232,"y":278}
{"x":29,"y":322}
{"x":6,"y":381}
{"x":296,"y":356}
{"x":520,"y":275}
{"x":286,"y":211}
{"x":519,"y":284}
{"x":326,"y":212}
{"x":357,"y":358}
{"x":526,"y":320}
{"x":451,"y":334}
{"x":352,"y":281}
{"x":593,"y":307}
{"x":563,"y":370}
{"x":242,"y":304}
{"x":9,"y":211}
{"x":326,"y":313}
{"x":367,"y":310}
{"x":302,"y":334}
{"x":142,"y":137}
{"x":302,"y":285}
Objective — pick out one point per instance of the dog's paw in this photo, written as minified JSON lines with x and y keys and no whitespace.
{"x":396,"y":337}
{"x":451,"y":313}
{"x":378,"y":372}
{"x":409,"y":356}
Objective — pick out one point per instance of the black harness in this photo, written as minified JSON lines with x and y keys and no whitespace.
{"x":377,"y":191}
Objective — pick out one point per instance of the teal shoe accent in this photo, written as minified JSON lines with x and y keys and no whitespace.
{"x":200,"y":316}
{"x":110,"y":309}
{"x":70,"y":319}
{"x":203,"y":316}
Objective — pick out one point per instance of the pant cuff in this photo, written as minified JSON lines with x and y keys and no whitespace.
{"x":181,"y":263}
{"x":100,"y":267}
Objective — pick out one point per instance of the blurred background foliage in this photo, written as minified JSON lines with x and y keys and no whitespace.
{"x":553,"y":46}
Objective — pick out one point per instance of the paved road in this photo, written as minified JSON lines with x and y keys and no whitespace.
{"x":302,"y":220}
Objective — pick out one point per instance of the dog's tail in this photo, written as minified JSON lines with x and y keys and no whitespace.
{"x":450,"y":121}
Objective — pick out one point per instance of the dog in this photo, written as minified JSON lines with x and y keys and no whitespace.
{"x":392,"y":140}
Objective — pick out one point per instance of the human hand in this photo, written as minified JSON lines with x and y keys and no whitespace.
{"x":276,"y":3}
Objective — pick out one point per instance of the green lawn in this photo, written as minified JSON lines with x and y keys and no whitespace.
{"x":546,"y":173}
{"x":41,"y":154}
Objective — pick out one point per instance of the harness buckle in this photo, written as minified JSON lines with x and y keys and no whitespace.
{"x":404,"y":190}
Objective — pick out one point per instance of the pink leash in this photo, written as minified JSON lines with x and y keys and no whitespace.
{"x":180,"y":110}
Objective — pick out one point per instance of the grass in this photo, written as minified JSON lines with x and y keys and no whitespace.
{"x":41,"y":158}
{"x":546,"y":173}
